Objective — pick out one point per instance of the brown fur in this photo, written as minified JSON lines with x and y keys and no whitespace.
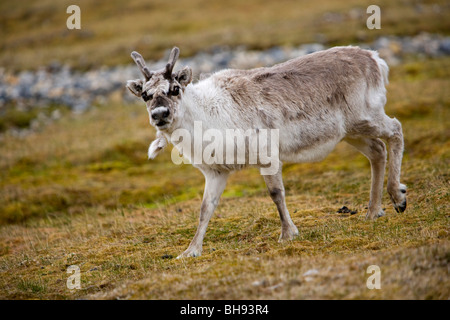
{"x":295,"y":86}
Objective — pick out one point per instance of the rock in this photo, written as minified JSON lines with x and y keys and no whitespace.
{"x":444,"y":46}
{"x":311,"y":272}
{"x":56,"y":114}
{"x":312,"y":47}
{"x":274,"y":287}
{"x":58,"y":84}
{"x":260,"y":283}
{"x":381,"y":42}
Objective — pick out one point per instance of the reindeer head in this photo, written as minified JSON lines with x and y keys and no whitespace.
{"x":161,"y":90}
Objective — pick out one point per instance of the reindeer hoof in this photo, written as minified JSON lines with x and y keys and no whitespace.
{"x":190,"y":254}
{"x":288,"y":235}
{"x":373,"y":216}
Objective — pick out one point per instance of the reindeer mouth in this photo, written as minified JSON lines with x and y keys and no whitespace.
{"x":161,"y":123}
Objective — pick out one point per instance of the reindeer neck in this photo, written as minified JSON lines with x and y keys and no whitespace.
{"x":192,"y":108}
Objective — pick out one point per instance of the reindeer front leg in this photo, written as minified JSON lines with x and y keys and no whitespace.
{"x":276,"y":190}
{"x":214,"y":185}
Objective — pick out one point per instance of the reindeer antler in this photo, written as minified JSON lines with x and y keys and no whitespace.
{"x":174,"y":54}
{"x":141,"y":64}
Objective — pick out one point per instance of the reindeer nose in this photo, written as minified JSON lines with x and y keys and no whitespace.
{"x":160,"y":113}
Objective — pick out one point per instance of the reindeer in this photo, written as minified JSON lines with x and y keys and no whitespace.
{"x":315,"y":101}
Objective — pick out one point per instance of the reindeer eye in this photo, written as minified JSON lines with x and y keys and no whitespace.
{"x":146,"y":97}
{"x":175,"y":91}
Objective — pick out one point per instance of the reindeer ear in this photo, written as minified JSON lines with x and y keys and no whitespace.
{"x":135,"y":87}
{"x":184,"y":76}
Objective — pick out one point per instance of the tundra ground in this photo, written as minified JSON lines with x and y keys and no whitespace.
{"x":34,"y":34}
{"x":80,"y":191}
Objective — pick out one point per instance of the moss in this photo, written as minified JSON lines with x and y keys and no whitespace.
{"x":13,"y":118}
{"x":107,"y":166}
{"x":195,"y":25}
{"x":81,"y":191}
{"x":31,"y":286}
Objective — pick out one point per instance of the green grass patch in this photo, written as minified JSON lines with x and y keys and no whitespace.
{"x":35,"y":34}
{"x":81,"y":191}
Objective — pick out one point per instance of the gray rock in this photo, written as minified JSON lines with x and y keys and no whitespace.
{"x":444,"y":46}
{"x":58,"y":84}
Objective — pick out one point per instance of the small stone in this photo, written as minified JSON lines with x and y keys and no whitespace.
{"x":311,"y":272}
{"x":260,"y":283}
{"x":295,"y":282}
{"x":56,"y":114}
{"x":279,"y":285}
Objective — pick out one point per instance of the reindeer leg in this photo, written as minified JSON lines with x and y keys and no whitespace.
{"x":389,"y":129}
{"x":396,"y":190}
{"x":375,"y":151}
{"x":276,"y":190}
{"x":214,"y":186}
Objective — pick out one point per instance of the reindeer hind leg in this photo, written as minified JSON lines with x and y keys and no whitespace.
{"x":375,"y":151}
{"x":396,"y":190}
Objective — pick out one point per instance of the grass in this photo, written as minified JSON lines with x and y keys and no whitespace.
{"x":35,"y":34}
{"x":80,"y":191}
{"x":14,"y":117}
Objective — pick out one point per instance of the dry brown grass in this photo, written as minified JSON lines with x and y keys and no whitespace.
{"x":33,"y":34}
{"x":81,"y":191}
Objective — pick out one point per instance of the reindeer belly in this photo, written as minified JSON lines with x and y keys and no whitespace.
{"x":310,"y":144}
{"x":311,"y":154}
